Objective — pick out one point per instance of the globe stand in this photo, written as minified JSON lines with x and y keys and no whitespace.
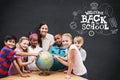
{"x":44,"y":72}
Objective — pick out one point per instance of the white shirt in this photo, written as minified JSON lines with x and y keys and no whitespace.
{"x":47,"y":42}
{"x":33,"y":66}
{"x":83,"y":54}
{"x":78,"y":66}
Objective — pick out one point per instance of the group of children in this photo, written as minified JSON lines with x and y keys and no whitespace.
{"x":66,"y":54}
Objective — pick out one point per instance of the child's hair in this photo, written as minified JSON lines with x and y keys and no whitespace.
{"x":32,"y":35}
{"x":39,"y":38}
{"x":68,"y":35}
{"x":58,"y":34}
{"x":79,"y":39}
{"x":20,"y":40}
{"x":10,"y":37}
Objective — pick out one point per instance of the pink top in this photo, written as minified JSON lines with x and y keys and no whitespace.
{"x":12,"y":69}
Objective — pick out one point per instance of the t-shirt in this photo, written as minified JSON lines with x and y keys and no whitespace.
{"x":59,"y":51}
{"x":47,"y":42}
{"x":33,"y":66}
{"x":6,"y":57}
{"x":12,"y":69}
{"x":78,"y":66}
{"x":83,"y":54}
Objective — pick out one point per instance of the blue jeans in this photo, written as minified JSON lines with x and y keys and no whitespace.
{"x":84,"y":75}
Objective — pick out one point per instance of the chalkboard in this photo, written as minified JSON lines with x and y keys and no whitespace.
{"x":19,"y":17}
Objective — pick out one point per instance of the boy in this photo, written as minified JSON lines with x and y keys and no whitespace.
{"x":59,"y":50}
{"x":7,"y":55}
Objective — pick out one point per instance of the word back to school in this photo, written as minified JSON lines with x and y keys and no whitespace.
{"x":94,"y":20}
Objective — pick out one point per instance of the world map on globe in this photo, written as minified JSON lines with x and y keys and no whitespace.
{"x":44,"y":60}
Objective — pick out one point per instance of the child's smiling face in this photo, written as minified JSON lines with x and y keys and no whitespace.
{"x":66,"y":41}
{"x":58,"y":39}
{"x":78,"y":45}
{"x":10,"y":43}
{"x":24,"y":44}
{"x":34,"y":41}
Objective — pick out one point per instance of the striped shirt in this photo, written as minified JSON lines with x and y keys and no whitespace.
{"x":6,"y":57}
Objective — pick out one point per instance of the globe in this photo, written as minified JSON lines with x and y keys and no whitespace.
{"x":44,"y":61}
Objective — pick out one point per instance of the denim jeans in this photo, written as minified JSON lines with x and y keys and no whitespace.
{"x":84,"y":75}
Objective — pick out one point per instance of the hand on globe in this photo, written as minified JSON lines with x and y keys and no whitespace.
{"x":32,"y":59}
{"x":44,"y":61}
{"x":56,"y":57}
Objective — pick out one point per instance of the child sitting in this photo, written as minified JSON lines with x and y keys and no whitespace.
{"x":34,"y":47}
{"x":59,"y":50}
{"x":7,"y":55}
{"x":22,"y":45}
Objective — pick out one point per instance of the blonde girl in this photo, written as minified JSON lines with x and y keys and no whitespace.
{"x":74,"y":63}
{"x":19,"y":63}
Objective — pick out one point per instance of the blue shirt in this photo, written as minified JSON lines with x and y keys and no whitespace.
{"x":59,"y":51}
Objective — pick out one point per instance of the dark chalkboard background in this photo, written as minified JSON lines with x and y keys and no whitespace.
{"x":19,"y":17}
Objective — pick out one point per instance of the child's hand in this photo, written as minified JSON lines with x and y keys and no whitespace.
{"x":32,"y":60}
{"x":67,"y":77}
{"x":56,"y":57}
{"x":25,"y":75}
{"x":37,"y":54}
{"x":53,"y":55}
{"x":26,"y":71}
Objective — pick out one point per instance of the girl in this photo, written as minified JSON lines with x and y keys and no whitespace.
{"x":34,"y":47}
{"x":21,"y":46}
{"x":79,"y":41}
{"x":75,"y":63}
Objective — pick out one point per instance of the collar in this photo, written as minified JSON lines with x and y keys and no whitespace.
{"x":47,"y":37}
{"x":8,"y":47}
{"x":57,"y":47}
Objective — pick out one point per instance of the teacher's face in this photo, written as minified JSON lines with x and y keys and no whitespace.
{"x":43,"y":30}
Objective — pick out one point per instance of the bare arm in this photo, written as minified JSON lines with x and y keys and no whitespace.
{"x":71,"y":61}
{"x":26,"y":54}
{"x":23,"y":63}
{"x":61,"y":60}
{"x":18,"y":69}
